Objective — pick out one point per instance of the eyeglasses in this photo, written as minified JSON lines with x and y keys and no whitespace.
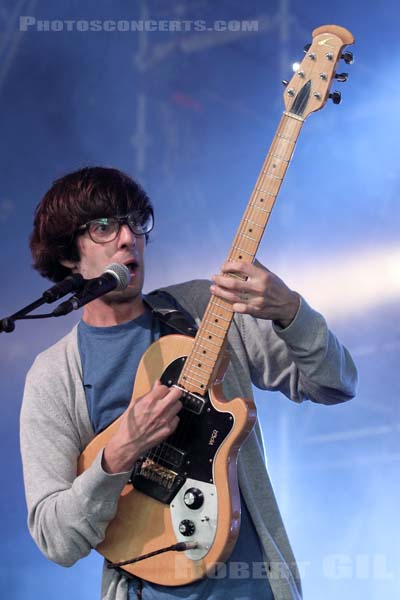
{"x":106,"y":229}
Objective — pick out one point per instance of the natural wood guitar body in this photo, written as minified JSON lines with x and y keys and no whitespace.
{"x":143,"y":524}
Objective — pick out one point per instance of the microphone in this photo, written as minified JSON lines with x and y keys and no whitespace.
{"x":115,"y":277}
{"x":72,"y":283}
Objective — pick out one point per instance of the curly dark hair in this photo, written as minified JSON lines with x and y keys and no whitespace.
{"x":72,"y":201}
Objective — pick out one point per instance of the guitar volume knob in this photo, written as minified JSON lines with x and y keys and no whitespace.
{"x":193,"y":498}
{"x":187,"y":527}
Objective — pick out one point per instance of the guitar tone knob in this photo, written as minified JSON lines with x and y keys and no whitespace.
{"x":187,"y":527}
{"x":193,"y":498}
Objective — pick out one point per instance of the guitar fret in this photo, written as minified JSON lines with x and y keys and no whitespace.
{"x":220,"y":317}
{"x":192,"y":365}
{"x":259,"y":208}
{"x":260,"y":189}
{"x":207,"y":349}
{"x":268,"y":174}
{"x":214,"y":325}
{"x":217,"y":303}
{"x":188,"y":377}
{"x":241,"y":250}
{"x":236,"y":276}
{"x":223,"y":307}
{"x":254,"y":223}
{"x":249,"y":237}
{"x":283,"y":137}
{"x":210,"y":342}
{"x":203,"y":357}
{"x":280,"y":158}
{"x":212,"y":333}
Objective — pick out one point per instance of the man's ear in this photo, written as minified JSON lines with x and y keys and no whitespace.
{"x":70,"y":264}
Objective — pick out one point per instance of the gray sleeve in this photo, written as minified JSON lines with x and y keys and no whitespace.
{"x":304,"y":361}
{"x":67,"y":515}
{"x":193,"y":296}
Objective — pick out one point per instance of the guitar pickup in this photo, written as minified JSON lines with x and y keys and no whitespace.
{"x":171,"y":455}
{"x":191,"y":402}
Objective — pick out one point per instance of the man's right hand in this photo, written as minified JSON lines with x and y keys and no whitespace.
{"x":147,"y":421}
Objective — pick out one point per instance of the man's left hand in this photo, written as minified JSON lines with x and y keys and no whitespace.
{"x":256,"y":291}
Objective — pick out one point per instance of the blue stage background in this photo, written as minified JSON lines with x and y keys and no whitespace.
{"x":191,"y":115}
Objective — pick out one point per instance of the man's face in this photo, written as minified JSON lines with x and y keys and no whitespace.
{"x":126,"y":249}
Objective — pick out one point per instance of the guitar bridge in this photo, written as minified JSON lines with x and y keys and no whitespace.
{"x":156,"y":481}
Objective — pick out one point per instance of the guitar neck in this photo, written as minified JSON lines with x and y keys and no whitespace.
{"x":199,"y":370}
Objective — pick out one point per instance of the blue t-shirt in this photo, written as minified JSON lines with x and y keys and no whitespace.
{"x":110,"y":357}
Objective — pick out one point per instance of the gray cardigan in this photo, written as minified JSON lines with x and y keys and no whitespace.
{"x":68,"y":515}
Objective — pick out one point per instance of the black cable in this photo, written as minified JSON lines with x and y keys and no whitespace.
{"x":179,"y":547}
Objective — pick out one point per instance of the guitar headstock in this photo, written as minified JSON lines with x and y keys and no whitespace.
{"x":308,"y":90}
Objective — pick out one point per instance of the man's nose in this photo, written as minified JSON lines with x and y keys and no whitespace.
{"x":126,"y":237}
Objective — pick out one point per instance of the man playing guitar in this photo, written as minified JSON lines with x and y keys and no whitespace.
{"x":76,"y":388}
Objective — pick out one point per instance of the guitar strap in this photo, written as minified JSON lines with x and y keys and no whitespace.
{"x":173,"y":319}
{"x":170,"y":313}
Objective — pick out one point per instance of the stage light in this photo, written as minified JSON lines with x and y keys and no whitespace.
{"x":349,"y":284}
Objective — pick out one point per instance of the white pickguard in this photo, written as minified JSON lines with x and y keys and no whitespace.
{"x":204,"y":518}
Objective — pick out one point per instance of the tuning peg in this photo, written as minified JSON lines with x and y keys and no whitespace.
{"x":307,"y":47}
{"x":284,"y":82}
{"x":336,"y":97}
{"x":342,"y":77}
{"x":348,"y":58}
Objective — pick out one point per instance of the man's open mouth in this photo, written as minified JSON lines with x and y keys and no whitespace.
{"x":132,"y":265}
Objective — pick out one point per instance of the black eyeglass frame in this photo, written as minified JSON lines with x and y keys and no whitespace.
{"x":124,"y":220}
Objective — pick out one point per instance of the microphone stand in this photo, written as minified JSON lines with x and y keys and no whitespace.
{"x":69,"y":284}
{"x":8,"y":323}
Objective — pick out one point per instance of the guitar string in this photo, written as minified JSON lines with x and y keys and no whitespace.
{"x":268,"y":186}
{"x":245,"y":246}
{"x":176,"y":439}
{"x":287,"y":126}
{"x":178,"y":436}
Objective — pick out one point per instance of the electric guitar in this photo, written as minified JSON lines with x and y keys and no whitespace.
{"x":183,"y":494}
